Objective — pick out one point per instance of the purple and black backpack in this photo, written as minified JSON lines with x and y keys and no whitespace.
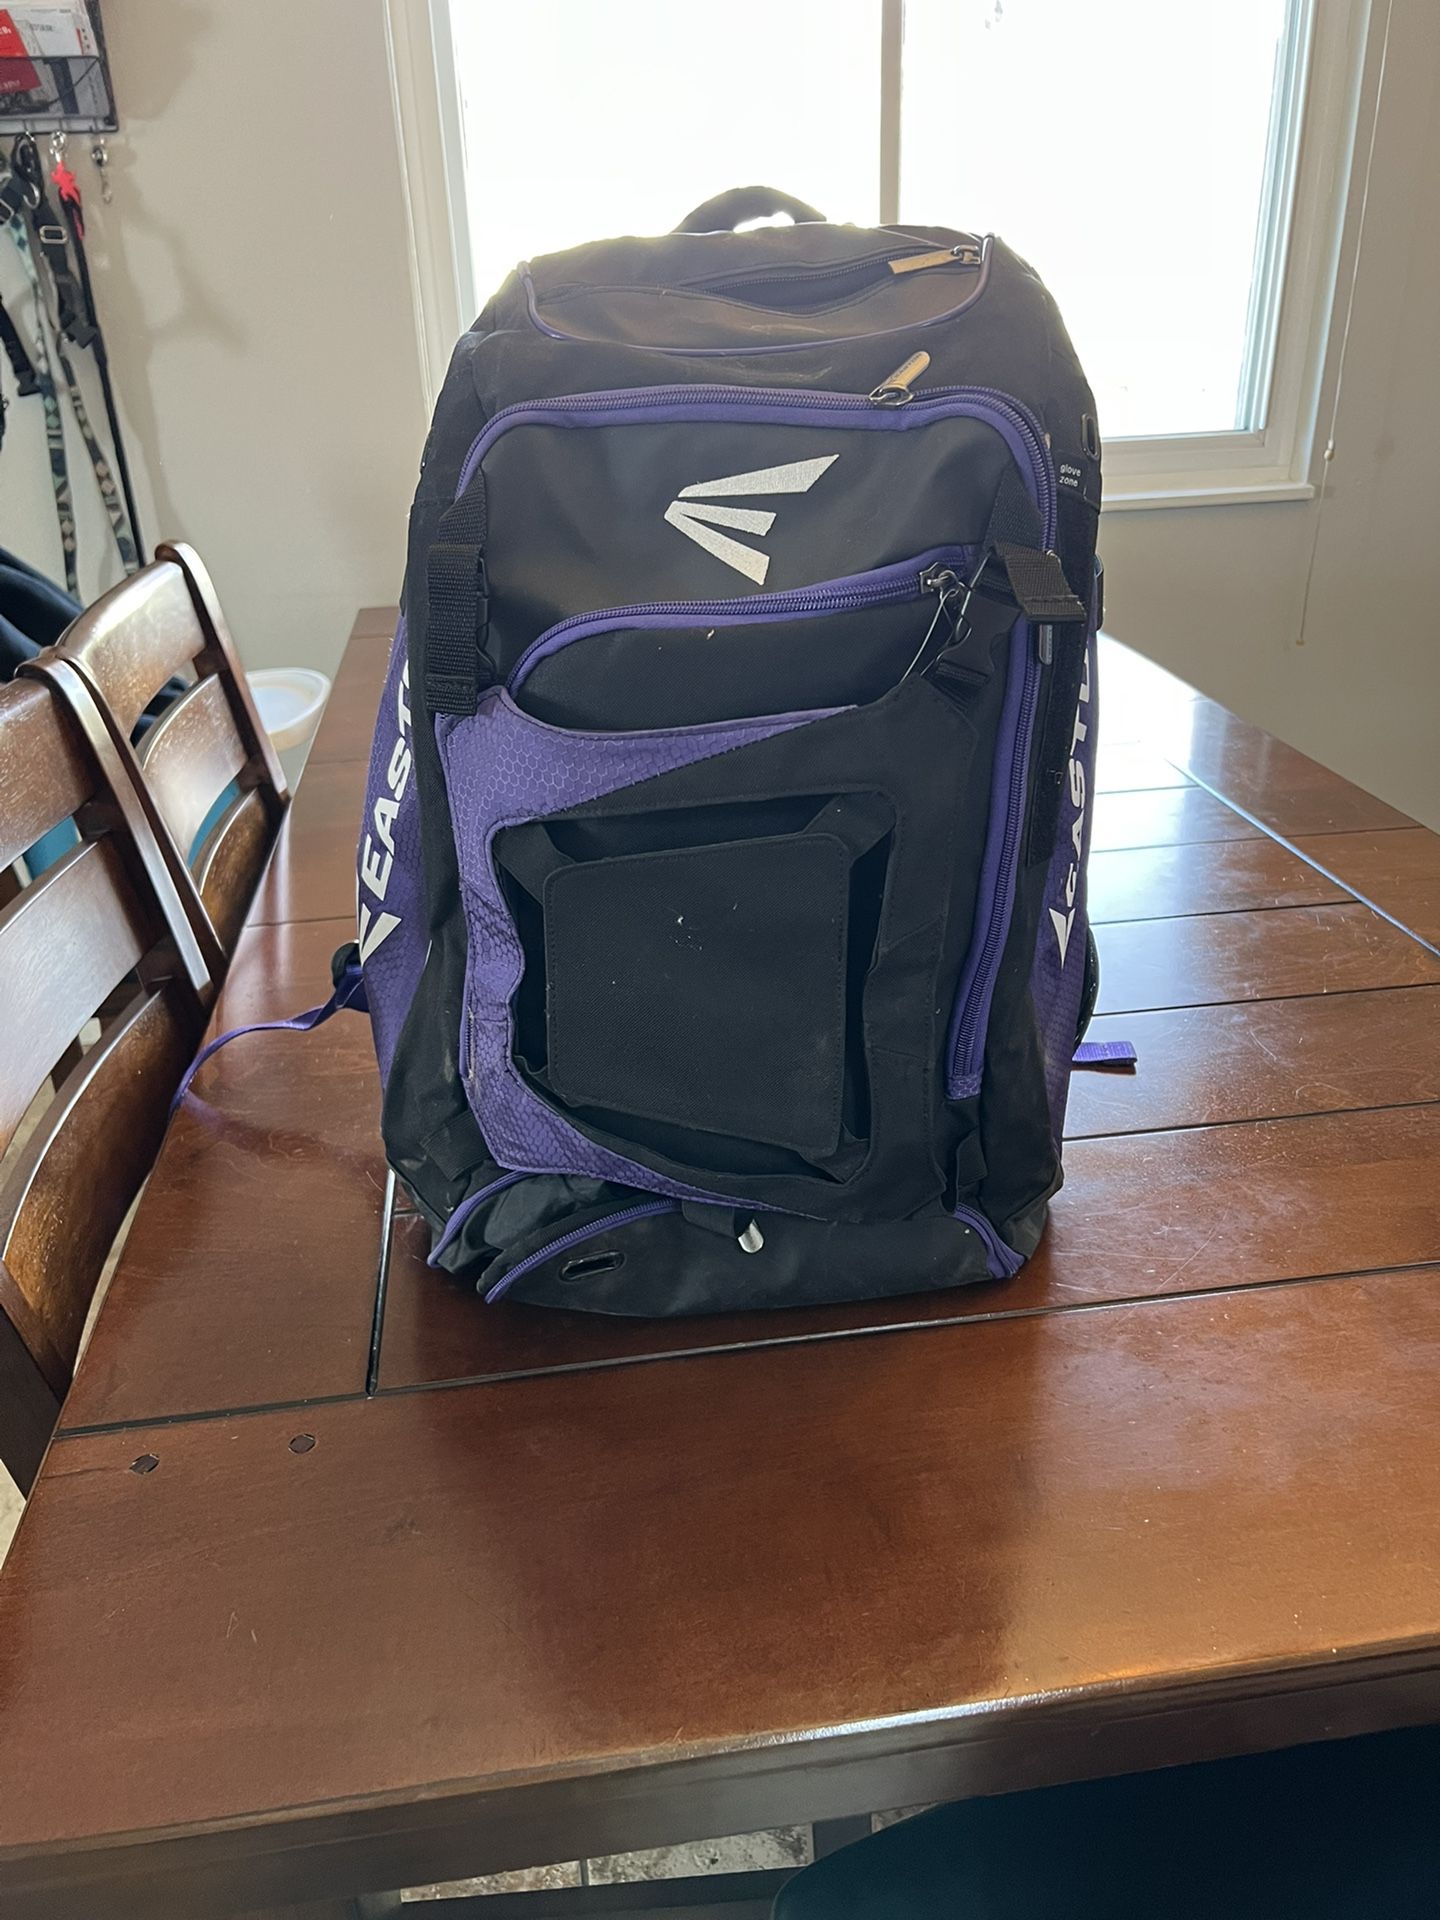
{"x":722,"y":875}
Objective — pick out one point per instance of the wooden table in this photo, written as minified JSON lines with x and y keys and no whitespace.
{"x":335,"y":1580}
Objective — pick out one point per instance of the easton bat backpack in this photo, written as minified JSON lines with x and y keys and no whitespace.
{"x":722,"y":873}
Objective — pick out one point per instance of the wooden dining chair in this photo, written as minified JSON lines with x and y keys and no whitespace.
{"x":100,"y":932}
{"x":166,"y":620}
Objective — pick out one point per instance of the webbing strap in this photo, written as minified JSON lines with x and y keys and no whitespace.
{"x":52,"y":238}
{"x":69,"y":191}
{"x":1038,"y":583}
{"x":458,"y":619}
{"x":1016,"y":537}
{"x":10,"y":196}
{"x":349,"y":993}
{"x":26,"y":380}
{"x":1116,"y":1056}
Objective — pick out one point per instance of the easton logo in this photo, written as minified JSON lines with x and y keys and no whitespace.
{"x":377,"y":851}
{"x":699,"y":522}
{"x":1064,"y":921}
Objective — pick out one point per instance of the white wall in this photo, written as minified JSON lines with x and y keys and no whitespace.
{"x":253,"y":278}
{"x":1217,"y":592}
{"x":254,"y":275}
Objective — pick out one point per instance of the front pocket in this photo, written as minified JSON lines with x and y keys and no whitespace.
{"x":704,"y":988}
{"x":839,"y":644}
{"x":694,"y":981}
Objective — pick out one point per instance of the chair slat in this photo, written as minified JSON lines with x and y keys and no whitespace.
{"x":48,"y":775}
{"x":120,"y":652}
{"x":65,"y":943}
{"x":107,"y":915}
{"x":229,"y":864}
{"x":79,"y":1172}
{"x":134,"y":638}
{"x":189,"y":756}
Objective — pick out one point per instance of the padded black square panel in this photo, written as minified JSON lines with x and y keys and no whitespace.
{"x":704,"y":987}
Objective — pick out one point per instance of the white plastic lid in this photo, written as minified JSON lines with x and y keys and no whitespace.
{"x":291,"y":700}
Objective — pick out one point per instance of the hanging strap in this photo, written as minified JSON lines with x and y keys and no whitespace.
{"x":68,"y":189}
{"x":26,"y":379}
{"x":349,"y":994}
{"x":52,"y":238}
{"x":12,"y":199}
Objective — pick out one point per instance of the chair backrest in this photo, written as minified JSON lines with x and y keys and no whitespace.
{"x":102,"y":933}
{"x":207,"y":744}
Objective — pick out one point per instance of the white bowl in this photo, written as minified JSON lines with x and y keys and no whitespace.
{"x":291,"y":700}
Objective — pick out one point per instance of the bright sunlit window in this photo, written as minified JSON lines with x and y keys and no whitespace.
{"x":1143,"y":155}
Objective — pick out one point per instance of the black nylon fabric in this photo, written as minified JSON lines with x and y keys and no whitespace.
{"x":572,"y":522}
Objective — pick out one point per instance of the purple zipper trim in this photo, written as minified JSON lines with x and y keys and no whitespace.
{"x":999,"y":873}
{"x":463,"y":1212}
{"x":883,"y":586}
{"x":982,"y":280}
{"x":622,"y":406}
{"x":574,"y":1238}
{"x":1002,"y":1260}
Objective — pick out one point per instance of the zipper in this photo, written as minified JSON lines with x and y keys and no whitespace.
{"x":966,"y":254}
{"x":972,"y":1010}
{"x":930,"y":572}
{"x":463,"y":1212}
{"x":574,"y":1238}
{"x":1001,"y":1259}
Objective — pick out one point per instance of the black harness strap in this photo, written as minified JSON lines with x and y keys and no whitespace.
{"x":69,"y":192}
{"x":12,"y":200}
{"x":52,"y":239}
{"x":458,"y":624}
{"x":26,"y":379}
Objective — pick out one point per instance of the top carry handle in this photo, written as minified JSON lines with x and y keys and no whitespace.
{"x":727,"y":210}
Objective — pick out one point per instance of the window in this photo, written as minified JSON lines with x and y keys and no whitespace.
{"x":1144,"y":156}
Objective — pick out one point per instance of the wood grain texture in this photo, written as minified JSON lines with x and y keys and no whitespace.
{"x":1399,"y":871}
{"x":47,"y":773}
{"x":1091,"y":1514}
{"x":1139,"y":1218}
{"x":1220,"y":876}
{"x":1256,"y":956}
{"x":349,"y":717}
{"x":249,"y":1274}
{"x":122,"y":650}
{"x":84,"y":912}
{"x":1265,"y":1059}
{"x":1143,"y":704}
{"x":189,"y":756}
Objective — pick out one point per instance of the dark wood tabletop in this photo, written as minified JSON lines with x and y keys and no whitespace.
{"x":416,"y":1587}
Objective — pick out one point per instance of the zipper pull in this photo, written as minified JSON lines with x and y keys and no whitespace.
{"x":967,"y":254}
{"x":950,"y":628}
{"x":752,"y":1240}
{"x":951,"y":589}
{"x":895,"y":391}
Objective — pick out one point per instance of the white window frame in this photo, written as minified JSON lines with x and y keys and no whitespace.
{"x":1321,"y":103}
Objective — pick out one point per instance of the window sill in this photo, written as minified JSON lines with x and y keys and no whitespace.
{"x":1138,"y":496}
